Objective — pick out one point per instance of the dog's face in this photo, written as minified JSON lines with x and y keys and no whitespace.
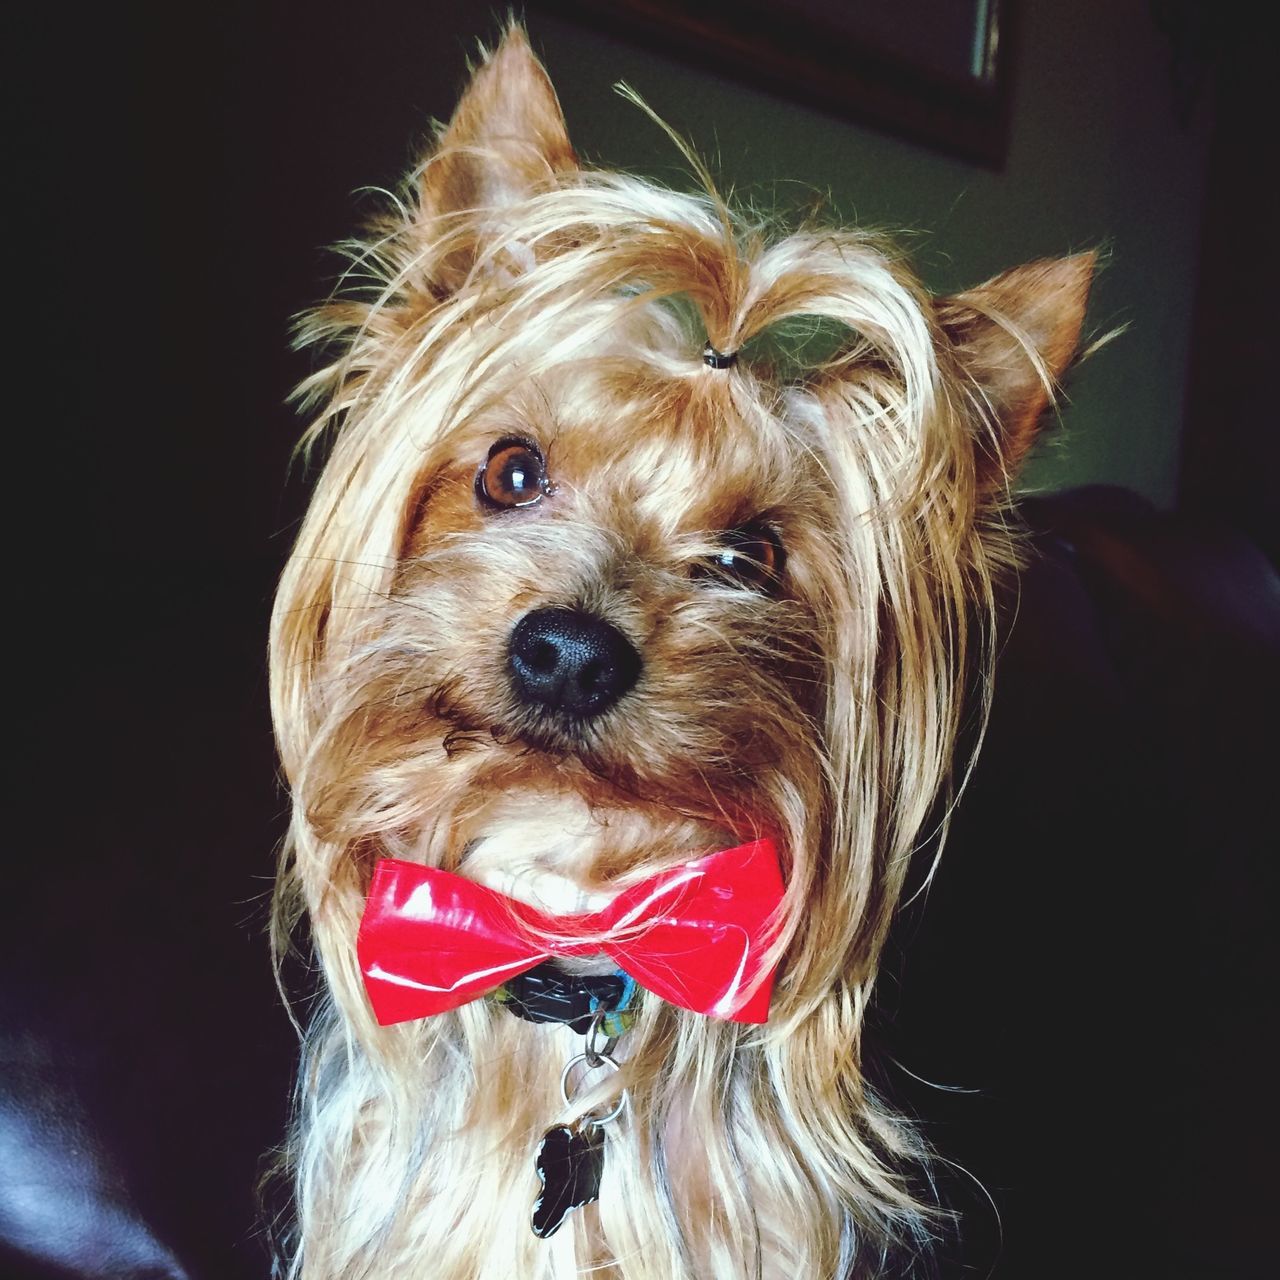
{"x":602,"y":645}
{"x":573,"y":603}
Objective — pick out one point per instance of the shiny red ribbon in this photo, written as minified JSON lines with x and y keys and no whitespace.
{"x":695,"y":935}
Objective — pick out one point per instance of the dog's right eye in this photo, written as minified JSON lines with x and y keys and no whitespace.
{"x":751,"y":556}
{"x":513,"y":475}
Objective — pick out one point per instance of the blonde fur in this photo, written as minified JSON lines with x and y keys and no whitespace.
{"x":514,"y":292}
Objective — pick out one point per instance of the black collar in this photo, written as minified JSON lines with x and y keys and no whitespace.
{"x":547,"y":993}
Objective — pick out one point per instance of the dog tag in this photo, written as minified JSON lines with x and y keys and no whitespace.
{"x":569,"y":1163}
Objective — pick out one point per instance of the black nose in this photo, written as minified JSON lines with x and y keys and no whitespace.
{"x":569,"y":661}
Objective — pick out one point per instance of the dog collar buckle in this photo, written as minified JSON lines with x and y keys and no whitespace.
{"x":546,"y":993}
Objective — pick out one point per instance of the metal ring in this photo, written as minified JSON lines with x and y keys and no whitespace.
{"x":593,"y":1050}
{"x":604,"y":1060}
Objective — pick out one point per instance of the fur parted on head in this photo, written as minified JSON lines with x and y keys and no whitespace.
{"x":802,"y":560}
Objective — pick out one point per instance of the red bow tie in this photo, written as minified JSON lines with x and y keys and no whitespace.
{"x":694,"y":935}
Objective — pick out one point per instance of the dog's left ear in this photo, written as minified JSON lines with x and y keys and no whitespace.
{"x":506,"y":141}
{"x":1015,"y":337}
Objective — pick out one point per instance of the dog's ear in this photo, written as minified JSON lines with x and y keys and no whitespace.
{"x":506,"y":141}
{"x":1015,"y":337}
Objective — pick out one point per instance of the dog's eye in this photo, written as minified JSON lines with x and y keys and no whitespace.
{"x":514,"y":475}
{"x":751,"y":556}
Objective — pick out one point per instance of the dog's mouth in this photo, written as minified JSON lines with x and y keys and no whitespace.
{"x":560,"y":735}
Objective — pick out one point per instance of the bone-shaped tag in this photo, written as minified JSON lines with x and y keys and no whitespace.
{"x":569,"y":1163}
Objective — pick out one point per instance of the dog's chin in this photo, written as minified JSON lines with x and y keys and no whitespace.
{"x":534,"y":883}
{"x":544,"y":842}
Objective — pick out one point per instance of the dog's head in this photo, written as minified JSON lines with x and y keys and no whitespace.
{"x":641,"y":532}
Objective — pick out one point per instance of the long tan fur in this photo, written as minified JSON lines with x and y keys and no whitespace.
{"x":514,"y":292}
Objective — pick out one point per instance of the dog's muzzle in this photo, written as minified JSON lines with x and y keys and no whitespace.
{"x":570,"y":662}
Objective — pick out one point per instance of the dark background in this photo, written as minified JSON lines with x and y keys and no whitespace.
{"x":176,"y":171}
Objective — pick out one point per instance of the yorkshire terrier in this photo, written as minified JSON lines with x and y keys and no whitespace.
{"x":617,"y":672}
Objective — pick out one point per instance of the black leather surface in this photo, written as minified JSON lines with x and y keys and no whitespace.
{"x":145,"y":1059}
{"x":1089,"y":964}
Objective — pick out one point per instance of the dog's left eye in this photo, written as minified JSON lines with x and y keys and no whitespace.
{"x":514,"y":475}
{"x":751,"y":556}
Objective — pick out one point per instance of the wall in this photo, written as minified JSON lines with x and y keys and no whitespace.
{"x":1096,"y":159}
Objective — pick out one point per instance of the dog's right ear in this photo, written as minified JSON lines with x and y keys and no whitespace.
{"x":507,"y":140}
{"x":1015,"y":337}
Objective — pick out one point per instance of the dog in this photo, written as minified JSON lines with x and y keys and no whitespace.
{"x":654,"y":556}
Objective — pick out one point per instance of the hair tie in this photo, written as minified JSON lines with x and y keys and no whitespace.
{"x":714,"y":359}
